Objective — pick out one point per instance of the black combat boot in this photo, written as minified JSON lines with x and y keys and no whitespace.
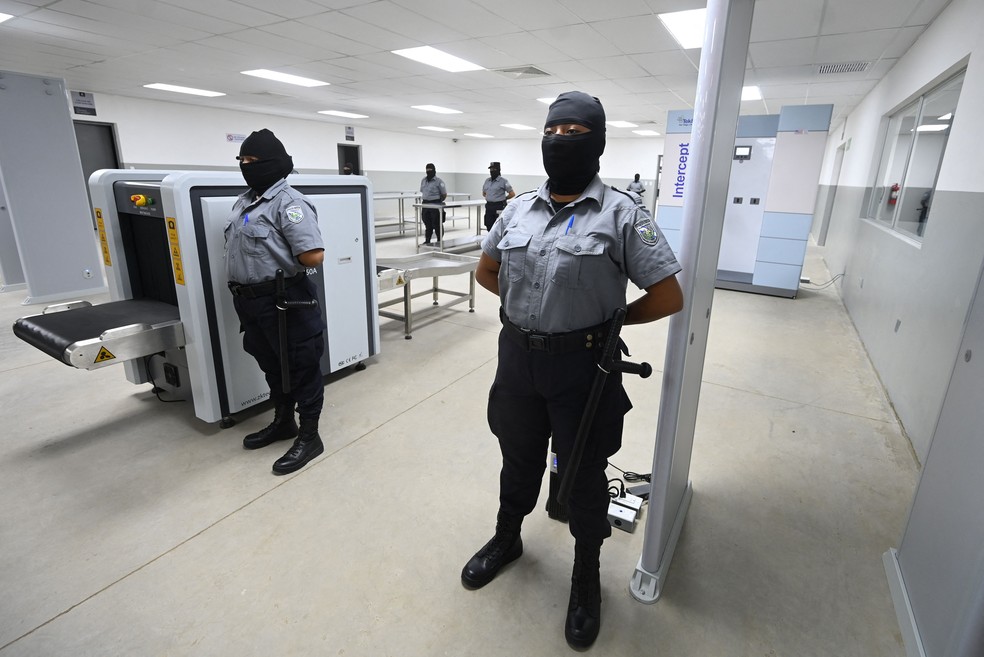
{"x":282,"y":427}
{"x":584,"y":608}
{"x":307,"y":446}
{"x":504,"y":547}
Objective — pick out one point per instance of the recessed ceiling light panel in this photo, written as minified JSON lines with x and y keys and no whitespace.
{"x":434,"y":128}
{"x":437,"y":109}
{"x":344,"y":115}
{"x":687,"y":27}
{"x":183,"y":90}
{"x":438,"y":59}
{"x":284,"y":77}
{"x":517,"y":126}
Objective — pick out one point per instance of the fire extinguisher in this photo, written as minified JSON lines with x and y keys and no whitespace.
{"x":893,"y":195}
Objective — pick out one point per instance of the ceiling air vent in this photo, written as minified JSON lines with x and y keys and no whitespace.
{"x":850,"y":67}
{"x":521,"y":72}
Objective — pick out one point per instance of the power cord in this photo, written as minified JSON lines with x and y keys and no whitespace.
{"x":642,"y":481}
{"x":820,"y":286}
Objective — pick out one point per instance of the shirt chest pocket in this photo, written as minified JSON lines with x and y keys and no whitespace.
{"x":514,"y":248}
{"x":255,"y":239}
{"x":579,"y":260}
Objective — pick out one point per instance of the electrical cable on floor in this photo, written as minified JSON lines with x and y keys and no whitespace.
{"x":820,"y":286}
{"x":616,"y":491}
{"x":631,"y":477}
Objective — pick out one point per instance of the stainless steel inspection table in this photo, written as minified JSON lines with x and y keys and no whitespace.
{"x":400,"y":271}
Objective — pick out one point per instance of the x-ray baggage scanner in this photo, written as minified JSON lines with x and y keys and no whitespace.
{"x":171,"y":320}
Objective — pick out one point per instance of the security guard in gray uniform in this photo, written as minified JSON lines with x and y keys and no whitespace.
{"x":273,"y":226}
{"x":560,"y":259}
{"x":496,"y":191}
{"x":432,"y":190}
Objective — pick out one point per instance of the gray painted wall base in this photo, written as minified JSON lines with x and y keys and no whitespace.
{"x":646,"y":587}
{"x":12,"y":287}
{"x":903,"y":610}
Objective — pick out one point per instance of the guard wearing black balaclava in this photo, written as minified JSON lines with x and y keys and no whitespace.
{"x":559,"y":258}
{"x":571,"y":161}
{"x":273,"y":162}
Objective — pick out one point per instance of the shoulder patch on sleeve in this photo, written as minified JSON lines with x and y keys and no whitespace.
{"x":646,"y":228}
{"x":295,"y":214}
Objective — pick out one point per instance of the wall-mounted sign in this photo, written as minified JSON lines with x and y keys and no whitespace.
{"x":349,"y":133}
{"x":83,"y":103}
{"x":234,"y":138}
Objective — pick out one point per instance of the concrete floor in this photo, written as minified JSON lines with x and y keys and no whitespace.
{"x":129,"y":527}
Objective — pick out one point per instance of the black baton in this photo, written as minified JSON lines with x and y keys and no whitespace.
{"x":282,"y":305}
{"x":606,"y":365}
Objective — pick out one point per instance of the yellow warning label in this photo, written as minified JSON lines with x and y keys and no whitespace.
{"x":172,"y":238}
{"x":102,"y":237}
{"x":104,"y":355}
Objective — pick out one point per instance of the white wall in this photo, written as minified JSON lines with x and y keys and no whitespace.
{"x":892,"y":281}
{"x":168,"y":133}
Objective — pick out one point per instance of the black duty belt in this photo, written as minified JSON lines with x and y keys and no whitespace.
{"x":263,"y":289}
{"x":555,"y":343}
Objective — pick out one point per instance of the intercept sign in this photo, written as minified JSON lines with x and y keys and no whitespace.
{"x":681,"y":178}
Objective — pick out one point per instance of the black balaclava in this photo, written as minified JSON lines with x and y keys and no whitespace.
{"x":571,"y":161}
{"x":430,"y":171}
{"x":494,"y":170}
{"x":273,"y":164}
{"x":637,"y":177}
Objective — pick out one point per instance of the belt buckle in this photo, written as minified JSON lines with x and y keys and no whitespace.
{"x":537,"y":342}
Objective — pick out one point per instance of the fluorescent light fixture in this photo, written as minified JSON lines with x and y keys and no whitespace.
{"x":751,"y":93}
{"x":284,"y":77}
{"x":437,"y":109}
{"x":547,"y":101}
{"x":687,"y":27}
{"x":438,"y":59}
{"x":517,"y":126}
{"x":5,"y":17}
{"x":646,"y":133}
{"x":621,"y":124}
{"x":479,"y":135}
{"x":945,"y":117}
{"x":184,"y":90}
{"x":344,"y":115}
{"x":932,"y":127}
{"x":434,"y":128}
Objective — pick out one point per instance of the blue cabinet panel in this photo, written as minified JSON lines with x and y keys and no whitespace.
{"x":770,"y":274}
{"x":787,"y":225}
{"x":787,"y":252}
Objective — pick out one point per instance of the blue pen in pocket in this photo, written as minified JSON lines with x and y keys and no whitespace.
{"x":569,"y":224}
{"x":245,"y":219}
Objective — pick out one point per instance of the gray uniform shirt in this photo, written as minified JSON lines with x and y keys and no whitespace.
{"x":636,"y":187}
{"x":496,"y":190}
{"x":569,"y":271}
{"x":268,"y":233}
{"x":432,"y":190}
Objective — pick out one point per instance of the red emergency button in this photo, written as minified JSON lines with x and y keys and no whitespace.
{"x":139,"y":200}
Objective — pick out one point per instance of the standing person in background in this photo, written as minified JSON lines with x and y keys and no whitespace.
{"x":496,"y":191}
{"x":347,"y":169}
{"x":636,"y":186}
{"x":560,"y":259}
{"x":273,"y":226}
{"x":432,"y":190}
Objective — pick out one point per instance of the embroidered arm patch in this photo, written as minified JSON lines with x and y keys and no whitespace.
{"x":646,"y":227}
{"x":295,"y":214}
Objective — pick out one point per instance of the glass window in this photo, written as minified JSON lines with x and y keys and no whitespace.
{"x":902,"y":194}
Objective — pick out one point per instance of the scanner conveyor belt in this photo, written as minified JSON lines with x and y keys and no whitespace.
{"x":89,"y":336}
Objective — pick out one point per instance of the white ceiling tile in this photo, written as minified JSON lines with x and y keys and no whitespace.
{"x":526,"y":48}
{"x":641,"y":34}
{"x":463,"y":18}
{"x":302,"y":32}
{"x":615,"y":67}
{"x":416,"y":25}
{"x":577,"y":41}
{"x":162,"y":16}
{"x":845,"y":16}
{"x":286,"y":8}
{"x":678,"y":62}
{"x":592,"y":10}
{"x":776,"y":20}
{"x":341,"y":24}
{"x":848,"y":48}
{"x":789,"y":52}
{"x":228,"y":10}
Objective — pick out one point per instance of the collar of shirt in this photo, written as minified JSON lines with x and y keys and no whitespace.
{"x":274,"y":189}
{"x":595,"y":190}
